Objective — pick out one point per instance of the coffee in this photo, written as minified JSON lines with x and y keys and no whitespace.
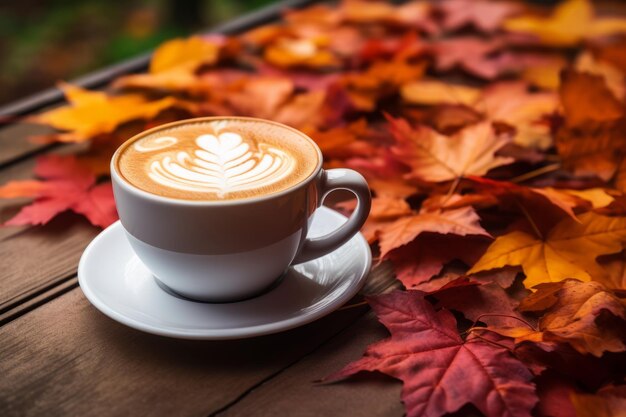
{"x":217,"y":159}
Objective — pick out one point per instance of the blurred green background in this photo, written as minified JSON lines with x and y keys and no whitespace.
{"x":42,"y":42}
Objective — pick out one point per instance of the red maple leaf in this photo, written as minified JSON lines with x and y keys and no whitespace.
{"x":65,"y":185}
{"x":441,"y":372}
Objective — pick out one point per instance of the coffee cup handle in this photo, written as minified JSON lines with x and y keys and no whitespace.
{"x":338,"y":179}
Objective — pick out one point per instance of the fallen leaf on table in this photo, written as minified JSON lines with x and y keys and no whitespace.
{"x":174,"y":63}
{"x":65,"y":185}
{"x":603,"y":404}
{"x":613,"y":77}
{"x":569,"y":250}
{"x":414,"y":14}
{"x":571,"y":22}
{"x":439,"y":370}
{"x":91,"y":113}
{"x":486,"y":16}
{"x":436,"y":157}
{"x":591,"y":142}
{"x":185,"y":53}
{"x":615,"y":278}
{"x":423,"y":258}
{"x":432,"y":92}
{"x":459,"y":51}
{"x":513,"y":104}
{"x":488,"y":303}
{"x":462,"y":222}
{"x":598,"y":197}
{"x":554,"y":396}
{"x":545,"y":206}
{"x":289,"y":52}
{"x":574,"y":312}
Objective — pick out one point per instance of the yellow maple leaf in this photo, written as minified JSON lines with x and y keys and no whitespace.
{"x":568,"y":251}
{"x":571,"y":22}
{"x":187,"y":54}
{"x":91,"y":113}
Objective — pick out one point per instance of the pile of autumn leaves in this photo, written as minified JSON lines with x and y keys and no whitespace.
{"x":493,"y":137}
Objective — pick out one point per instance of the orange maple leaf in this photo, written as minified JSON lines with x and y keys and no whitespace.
{"x":436,"y":157}
{"x":569,"y":312}
{"x":463,"y":221}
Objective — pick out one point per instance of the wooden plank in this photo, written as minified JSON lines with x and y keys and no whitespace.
{"x":41,"y":257}
{"x":293,"y":392}
{"x":14,"y":143}
{"x":66,"y":358}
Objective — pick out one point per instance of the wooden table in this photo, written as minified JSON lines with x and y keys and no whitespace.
{"x":61,"y":356}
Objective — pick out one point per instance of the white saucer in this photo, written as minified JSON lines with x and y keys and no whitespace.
{"x":116,"y":282}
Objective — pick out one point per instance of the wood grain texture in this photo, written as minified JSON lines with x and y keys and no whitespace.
{"x":38,"y":257}
{"x":65,"y":358}
{"x":14,"y":143}
{"x":293,"y":392}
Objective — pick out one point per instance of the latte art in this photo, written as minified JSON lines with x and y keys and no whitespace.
{"x":217,"y":159}
{"x":222,"y":163}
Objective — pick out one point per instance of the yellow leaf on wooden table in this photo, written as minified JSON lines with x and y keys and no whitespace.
{"x":184,"y":54}
{"x":569,"y":250}
{"x":91,"y":113}
{"x":571,"y":22}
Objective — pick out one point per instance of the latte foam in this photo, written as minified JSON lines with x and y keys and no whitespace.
{"x":217,"y":159}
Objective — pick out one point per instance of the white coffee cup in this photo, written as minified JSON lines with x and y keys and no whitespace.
{"x":233,"y":249}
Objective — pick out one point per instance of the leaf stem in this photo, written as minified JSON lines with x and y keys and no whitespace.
{"x":450,"y":192}
{"x":503,"y":315}
{"x":484,"y":339}
{"x":530,"y":219}
{"x":537,"y":172}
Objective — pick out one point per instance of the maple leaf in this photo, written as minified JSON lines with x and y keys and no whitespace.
{"x":91,"y":113}
{"x":607,"y":403}
{"x":488,"y":303}
{"x":436,"y":157}
{"x":569,"y":250}
{"x":463,"y":221}
{"x":591,"y":140}
{"x":613,"y":76}
{"x":573,"y":312}
{"x":417,"y":262}
{"x":441,"y":372}
{"x":571,"y":22}
{"x":545,"y":206}
{"x":511,"y":103}
{"x":486,"y":16}
{"x":302,"y":52}
{"x":432,"y":92}
{"x":184,"y":54}
{"x":66,"y":185}
{"x":461,"y":50}
{"x":414,"y":14}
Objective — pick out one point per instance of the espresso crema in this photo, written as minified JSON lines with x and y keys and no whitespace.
{"x":217,"y":159}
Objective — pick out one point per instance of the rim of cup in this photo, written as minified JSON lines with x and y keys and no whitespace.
{"x":121,"y":181}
